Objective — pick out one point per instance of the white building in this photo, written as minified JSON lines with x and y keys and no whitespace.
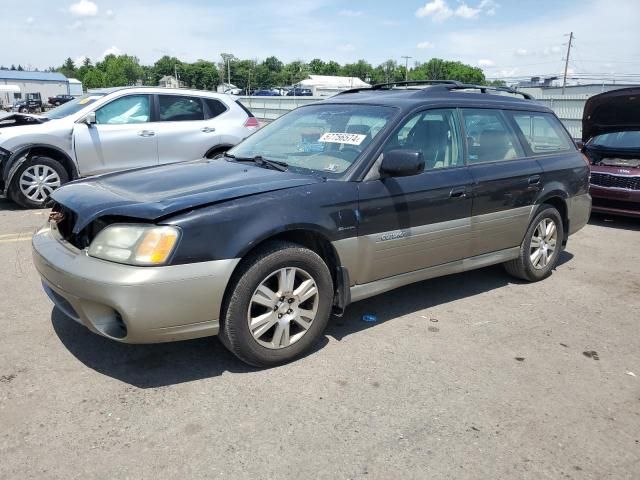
{"x":327,"y":85}
{"x":47,"y":84}
{"x":169,"y":81}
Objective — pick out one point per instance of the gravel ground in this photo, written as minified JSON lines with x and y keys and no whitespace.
{"x":468,"y":376}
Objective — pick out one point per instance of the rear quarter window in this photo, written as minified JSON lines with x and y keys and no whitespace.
{"x":542,"y":132}
{"x":216,"y":107}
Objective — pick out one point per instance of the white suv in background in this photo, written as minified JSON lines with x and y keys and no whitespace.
{"x":114,"y":129}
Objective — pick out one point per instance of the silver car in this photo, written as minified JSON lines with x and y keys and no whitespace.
{"x":114,"y":129}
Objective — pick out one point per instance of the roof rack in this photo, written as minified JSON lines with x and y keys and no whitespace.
{"x":390,"y":85}
{"x":408,"y":83}
{"x":488,"y":89}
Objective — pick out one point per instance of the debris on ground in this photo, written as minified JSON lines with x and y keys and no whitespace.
{"x":591,"y":354}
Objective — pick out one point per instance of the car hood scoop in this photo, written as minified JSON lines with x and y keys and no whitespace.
{"x":613,"y":111}
{"x":155,"y":192}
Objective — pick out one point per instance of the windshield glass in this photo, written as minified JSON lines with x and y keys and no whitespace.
{"x":73,"y":106}
{"x":320,"y":139}
{"x":618,"y":140}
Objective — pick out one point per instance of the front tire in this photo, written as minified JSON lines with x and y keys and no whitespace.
{"x":541,"y":248}
{"x":279,"y":305}
{"x":36,"y":179}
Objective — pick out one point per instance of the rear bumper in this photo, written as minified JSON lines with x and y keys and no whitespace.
{"x":132,"y":304}
{"x":617,"y":201}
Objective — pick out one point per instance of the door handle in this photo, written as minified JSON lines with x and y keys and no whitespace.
{"x":458,"y":192}
{"x":208,"y":129}
{"x":146,"y":133}
{"x":534,"y":180}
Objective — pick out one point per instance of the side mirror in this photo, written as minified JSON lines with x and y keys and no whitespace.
{"x":580,"y":144}
{"x":90,"y":119}
{"x":402,"y":163}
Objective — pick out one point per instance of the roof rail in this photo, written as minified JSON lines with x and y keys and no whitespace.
{"x":487,"y":89}
{"x":408,"y":83}
{"x":390,"y":85}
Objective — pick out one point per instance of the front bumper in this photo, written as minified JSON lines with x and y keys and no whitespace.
{"x":132,"y":304}
{"x":617,"y":201}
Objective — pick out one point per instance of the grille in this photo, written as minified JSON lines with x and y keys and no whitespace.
{"x":615,"y":181}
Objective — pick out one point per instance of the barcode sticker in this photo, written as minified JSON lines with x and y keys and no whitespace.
{"x":348,"y":138}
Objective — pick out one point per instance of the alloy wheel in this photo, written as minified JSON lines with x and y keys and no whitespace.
{"x":283,"y":308}
{"x":543,"y":243}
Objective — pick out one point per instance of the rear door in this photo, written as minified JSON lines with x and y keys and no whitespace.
{"x":506,"y":181}
{"x":123,"y":137}
{"x":411,"y":223}
{"x":187,"y":127}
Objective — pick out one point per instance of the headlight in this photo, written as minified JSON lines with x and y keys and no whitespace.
{"x":135,"y":244}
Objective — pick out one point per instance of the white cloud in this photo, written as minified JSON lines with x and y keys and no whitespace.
{"x":77,"y":25}
{"x":485,"y":62}
{"x":84,"y":8}
{"x":554,"y":50}
{"x":109,"y":13}
{"x":350,"y":13}
{"x":30,"y":20}
{"x":111,"y":51}
{"x":438,"y":9}
{"x":425,"y":45}
{"x":346,"y":48}
{"x":79,"y":61}
{"x":521,"y":52}
{"x":465,"y":11}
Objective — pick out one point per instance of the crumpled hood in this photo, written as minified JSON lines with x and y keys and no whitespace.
{"x":613,"y":111}
{"x":22,"y":120}
{"x":155,"y":192}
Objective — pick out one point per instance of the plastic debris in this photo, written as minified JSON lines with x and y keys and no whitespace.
{"x":370,"y":317}
{"x":631,"y":374}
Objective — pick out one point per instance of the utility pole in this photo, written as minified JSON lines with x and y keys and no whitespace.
{"x":406,"y":67}
{"x":566,"y":63}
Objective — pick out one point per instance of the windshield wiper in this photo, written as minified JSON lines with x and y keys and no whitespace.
{"x":260,"y":160}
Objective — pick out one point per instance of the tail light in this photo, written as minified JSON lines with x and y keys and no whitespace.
{"x":252,"y":122}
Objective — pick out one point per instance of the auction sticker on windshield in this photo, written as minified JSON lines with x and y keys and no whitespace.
{"x":348,"y":138}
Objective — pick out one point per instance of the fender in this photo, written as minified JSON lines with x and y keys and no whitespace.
{"x":19,"y":156}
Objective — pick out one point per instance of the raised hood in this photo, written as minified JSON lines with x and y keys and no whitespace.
{"x":155,"y":192}
{"x":614,"y":111}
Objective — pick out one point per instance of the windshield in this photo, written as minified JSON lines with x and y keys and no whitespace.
{"x":319,"y":139}
{"x":618,"y":140}
{"x":73,"y":106}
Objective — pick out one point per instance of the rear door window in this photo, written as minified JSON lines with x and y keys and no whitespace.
{"x":489,"y":137}
{"x":542,"y":132}
{"x":178,"y":108}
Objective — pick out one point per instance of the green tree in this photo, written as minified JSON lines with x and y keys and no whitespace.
{"x":121,"y":70}
{"x":93,"y":78}
{"x":68,"y":68}
{"x":438,"y":69}
{"x":361,"y":69}
{"x":317,"y":67}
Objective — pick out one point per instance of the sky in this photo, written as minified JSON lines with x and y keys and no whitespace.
{"x":506,"y":38}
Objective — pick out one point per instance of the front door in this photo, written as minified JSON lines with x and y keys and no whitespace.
{"x":416,"y":222}
{"x":123,"y":137}
{"x":506,"y":181}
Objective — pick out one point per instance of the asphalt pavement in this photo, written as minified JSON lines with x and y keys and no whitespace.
{"x":472,"y":376}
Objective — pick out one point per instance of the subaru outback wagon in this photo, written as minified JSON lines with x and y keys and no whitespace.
{"x":332,"y":203}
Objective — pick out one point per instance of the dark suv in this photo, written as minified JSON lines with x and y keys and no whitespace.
{"x":332,"y":203}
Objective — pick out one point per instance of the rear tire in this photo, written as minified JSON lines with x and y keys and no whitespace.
{"x":541,"y":247}
{"x":278,"y":306}
{"x":36,"y":179}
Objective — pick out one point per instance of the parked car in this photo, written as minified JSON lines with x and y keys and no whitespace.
{"x":114,"y":129}
{"x":332,"y":203}
{"x":266,"y":93}
{"x":60,"y":99}
{"x":611,"y":136}
{"x":300,"y":92}
{"x":30,"y":103}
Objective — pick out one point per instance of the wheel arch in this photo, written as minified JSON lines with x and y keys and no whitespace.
{"x":223,"y":147}
{"x":26,"y":152}
{"x":557,"y":198}
{"x":316,"y":241}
